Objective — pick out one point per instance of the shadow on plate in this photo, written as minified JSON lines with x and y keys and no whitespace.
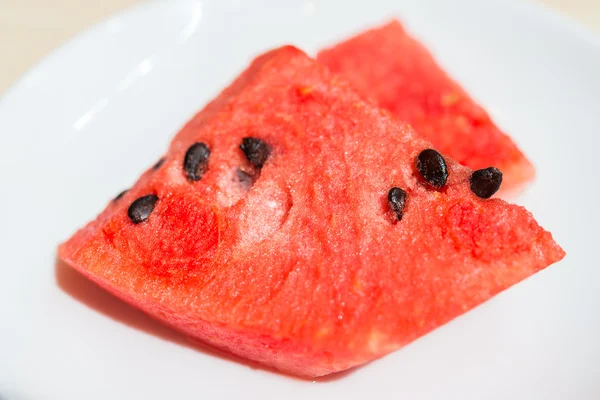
{"x":87,"y":292}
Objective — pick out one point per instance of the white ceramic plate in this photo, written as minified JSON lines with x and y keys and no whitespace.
{"x":83,"y":124}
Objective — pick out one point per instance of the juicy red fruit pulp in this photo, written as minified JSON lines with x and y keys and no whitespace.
{"x":389,"y":66}
{"x":280,"y":239}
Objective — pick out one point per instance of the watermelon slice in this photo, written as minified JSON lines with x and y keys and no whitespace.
{"x":291,"y":224}
{"x":400,"y":75}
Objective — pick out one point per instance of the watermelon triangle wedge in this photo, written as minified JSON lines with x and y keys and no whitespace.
{"x":296,"y":225}
{"x":399,"y":73}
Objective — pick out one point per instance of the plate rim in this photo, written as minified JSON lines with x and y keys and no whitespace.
{"x":542,"y":12}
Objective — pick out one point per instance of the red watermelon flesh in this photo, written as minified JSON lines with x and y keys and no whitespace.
{"x":400,"y":75}
{"x":301,"y":265}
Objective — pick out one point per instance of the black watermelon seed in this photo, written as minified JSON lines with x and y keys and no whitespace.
{"x":158,"y":164}
{"x":195,"y":163}
{"x":397,"y":200}
{"x":486,"y":182}
{"x":120,"y":195}
{"x":432,"y":167}
{"x":256,"y":151}
{"x":245,"y":179}
{"x":140,"y":209}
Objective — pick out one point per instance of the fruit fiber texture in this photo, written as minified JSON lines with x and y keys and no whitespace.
{"x":301,"y":265}
{"x":395,"y":70}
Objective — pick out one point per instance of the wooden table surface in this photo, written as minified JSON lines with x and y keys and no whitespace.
{"x":31,"y":29}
